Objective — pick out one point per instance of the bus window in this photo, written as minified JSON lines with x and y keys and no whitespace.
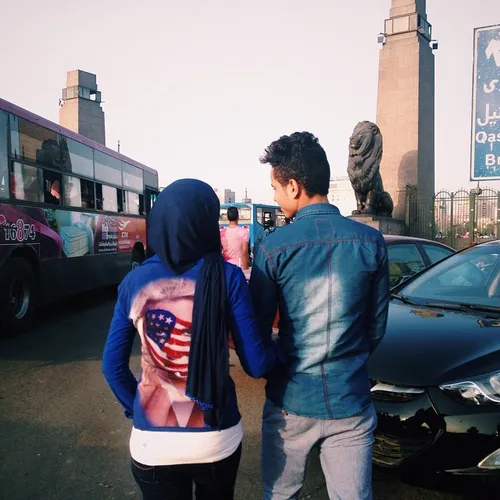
{"x":245,"y":214}
{"x":49,"y":154}
{"x":132,"y":177}
{"x":4,"y":165}
{"x":107,"y":168}
{"x":78,"y":192}
{"x":72,"y":191}
{"x":106,"y":198}
{"x":77,"y":158}
{"x":131,"y":203}
{"x":30,"y":141}
{"x":52,"y":187}
{"x":150,"y":180}
{"x":88,"y":197}
{"x":27,"y":182}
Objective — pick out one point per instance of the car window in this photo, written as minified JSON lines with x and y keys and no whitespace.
{"x":467,"y":274}
{"x":435,"y":252}
{"x":472,"y":276}
{"x":474,"y":273}
{"x":404,"y":261}
{"x":486,"y":264}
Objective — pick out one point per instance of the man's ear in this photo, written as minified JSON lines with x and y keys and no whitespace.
{"x":295,"y":189}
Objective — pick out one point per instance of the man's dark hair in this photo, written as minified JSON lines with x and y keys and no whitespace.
{"x":299,"y":156}
{"x":232,"y":214}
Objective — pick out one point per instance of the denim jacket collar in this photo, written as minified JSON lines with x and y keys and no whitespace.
{"x":317,"y":209}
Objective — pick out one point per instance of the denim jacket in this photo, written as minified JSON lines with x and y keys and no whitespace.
{"x":329,"y":276}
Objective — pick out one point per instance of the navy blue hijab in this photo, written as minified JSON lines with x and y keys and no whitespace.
{"x":183,"y":227}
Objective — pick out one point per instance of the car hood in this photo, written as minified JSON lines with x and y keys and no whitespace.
{"x":428,"y":346}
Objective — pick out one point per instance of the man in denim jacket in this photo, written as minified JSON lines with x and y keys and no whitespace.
{"x":329,"y":277}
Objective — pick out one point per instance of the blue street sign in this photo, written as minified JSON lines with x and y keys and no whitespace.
{"x":485,"y":151}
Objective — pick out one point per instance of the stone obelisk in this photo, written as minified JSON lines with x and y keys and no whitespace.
{"x":81,"y":109}
{"x":405,"y":106}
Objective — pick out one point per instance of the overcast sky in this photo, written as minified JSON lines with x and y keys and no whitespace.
{"x":199,"y":88}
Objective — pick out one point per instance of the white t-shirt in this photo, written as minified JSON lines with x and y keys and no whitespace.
{"x":176,"y":448}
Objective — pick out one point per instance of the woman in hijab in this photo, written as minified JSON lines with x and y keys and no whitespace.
{"x":183,"y":302}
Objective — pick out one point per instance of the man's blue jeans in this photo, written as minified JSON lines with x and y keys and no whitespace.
{"x":345,"y":447}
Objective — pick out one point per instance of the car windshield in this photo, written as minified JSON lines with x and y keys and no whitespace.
{"x":468,"y":277}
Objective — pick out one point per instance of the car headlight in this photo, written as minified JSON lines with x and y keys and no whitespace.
{"x":491,"y":461}
{"x":483,"y":390}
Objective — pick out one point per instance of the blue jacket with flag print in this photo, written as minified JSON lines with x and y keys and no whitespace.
{"x":157,"y":305}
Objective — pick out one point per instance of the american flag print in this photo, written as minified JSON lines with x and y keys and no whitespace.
{"x":169,"y":340}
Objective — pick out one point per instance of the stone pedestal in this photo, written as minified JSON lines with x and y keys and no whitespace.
{"x":386,"y":225}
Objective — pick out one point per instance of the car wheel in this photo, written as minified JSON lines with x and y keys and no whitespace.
{"x":17,"y":296}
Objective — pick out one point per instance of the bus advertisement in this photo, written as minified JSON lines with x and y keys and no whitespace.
{"x":72,"y":214}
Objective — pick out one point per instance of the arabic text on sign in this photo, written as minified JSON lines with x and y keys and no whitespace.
{"x":493,"y":49}
{"x":491,"y":87}
{"x":489,"y":117}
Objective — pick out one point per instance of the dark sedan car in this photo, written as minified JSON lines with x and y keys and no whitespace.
{"x":436,"y":375}
{"x":408,"y":256}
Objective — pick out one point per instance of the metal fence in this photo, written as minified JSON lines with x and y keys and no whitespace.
{"x":455,"y":218}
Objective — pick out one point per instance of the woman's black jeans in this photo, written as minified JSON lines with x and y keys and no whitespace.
{"x":212,"y":481}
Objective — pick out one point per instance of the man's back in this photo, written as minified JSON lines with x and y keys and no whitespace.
{"x":330,"y":274}
{"x":330,"y":277}
{"x":233,"y":238}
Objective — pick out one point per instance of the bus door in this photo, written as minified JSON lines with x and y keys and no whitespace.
{"x":150,"y":198}
{"x":269,"y":220}
{"x":257,"y":233}
{"x":265,"y":218}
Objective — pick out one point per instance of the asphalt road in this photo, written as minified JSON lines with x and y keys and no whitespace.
{"x":63,"y":436}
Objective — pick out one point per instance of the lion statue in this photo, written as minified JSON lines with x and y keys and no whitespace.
{"x":363,"y":167}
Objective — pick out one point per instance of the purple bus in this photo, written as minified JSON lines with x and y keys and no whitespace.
{"x":72,"y":214}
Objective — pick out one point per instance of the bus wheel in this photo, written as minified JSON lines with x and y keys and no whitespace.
{"x":138,"y":256}
{"x":17,"y":296}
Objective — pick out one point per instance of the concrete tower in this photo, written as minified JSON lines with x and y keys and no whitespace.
{"x":405,"y":106}
{"x":80,"y":109}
